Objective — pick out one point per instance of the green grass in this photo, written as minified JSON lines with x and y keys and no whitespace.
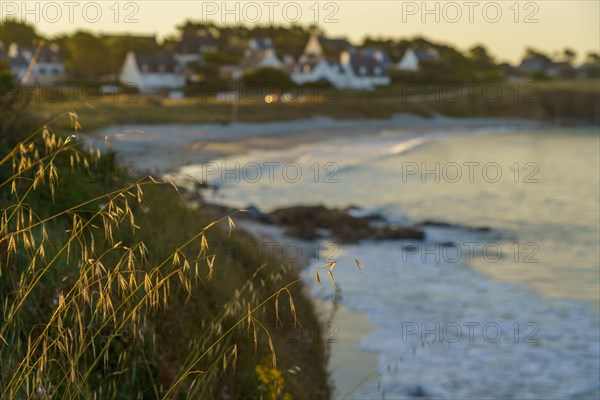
{"x":193,"y":111}
{"x":577,"y":100}
{"x":87,"y":310}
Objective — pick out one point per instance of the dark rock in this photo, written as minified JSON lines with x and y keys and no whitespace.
{"x":418,"y":392}
{"x":398,"y":233}
{"x":440,"y":224}
{"x":254,"y":213}
{"x":306,"y":221}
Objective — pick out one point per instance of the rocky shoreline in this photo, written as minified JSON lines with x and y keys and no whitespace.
{"x":316,"y":222}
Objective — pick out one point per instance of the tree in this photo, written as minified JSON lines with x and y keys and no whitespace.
{"x":17,"y":32}
{"x":88,"y":56}
{"x":569,"y":55}
{"x":531,"y":53}
{"x":593,"y":65}
{"x":480,"y":57}
{"x":268,"y":78}
{"x":592,"y":58}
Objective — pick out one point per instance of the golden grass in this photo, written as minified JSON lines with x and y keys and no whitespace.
{"x":88,"y":308}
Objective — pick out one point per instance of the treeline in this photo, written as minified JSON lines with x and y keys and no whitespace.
{"x":90,"y":58}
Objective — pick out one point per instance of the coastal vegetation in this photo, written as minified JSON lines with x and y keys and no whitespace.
{"x":558,"y":101}
{"x":111,"y":286}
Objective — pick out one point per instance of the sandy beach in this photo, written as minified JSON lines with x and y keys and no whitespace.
{"x":165,"y":148}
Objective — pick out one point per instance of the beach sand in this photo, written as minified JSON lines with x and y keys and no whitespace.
{"x":165,"y":148}
{"x":351,"y":368}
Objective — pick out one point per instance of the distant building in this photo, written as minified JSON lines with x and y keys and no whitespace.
{"x":353,"y":71}
{"x":365,"y":71}
{"x":152,"y":73}
{"x":380,"y":55}
{"x":413,"y":60}
{"x":534,"y":65}
{"x":311,"y":71}
{"x":561,"y":69}
{"x":45,"y":69}
{"x":258,"y":45}
{"x":259,"y":54}
{"x":260,"y":60}
{"x":317,"y":46}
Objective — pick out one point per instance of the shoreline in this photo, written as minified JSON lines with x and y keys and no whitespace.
{"x":164,"y":154}
{"x":342,"y":328}
{"x":165,"y":148}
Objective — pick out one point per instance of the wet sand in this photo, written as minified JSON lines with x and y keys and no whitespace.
{"x":351,"y":368}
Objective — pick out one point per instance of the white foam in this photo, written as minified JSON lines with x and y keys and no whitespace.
{"x":401,"y":290}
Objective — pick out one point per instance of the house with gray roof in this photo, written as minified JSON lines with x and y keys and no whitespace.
{"x":413,"y":59}
{"x":318,"y":46}
{"x":354,"y":68}
{"x":260,"y":45}
{"x":46,"y":64}
{"x":152,"y":73}
{"x":352,"y":71}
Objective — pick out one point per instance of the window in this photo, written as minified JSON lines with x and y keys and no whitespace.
{"x":363,"y":70}
{"x":377,"y":71}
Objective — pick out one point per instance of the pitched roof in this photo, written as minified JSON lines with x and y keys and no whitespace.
{"x":534,"y":64}
{"x":17,"y":62}
{"x":379,"y":54}
{"x":307,"y":65}
{"x":340,"y":43}
{"x":366,"y":65}
{"x":426,"y":54}
{"x":46,"y":55}
{"x":154,"y":63}
{"x":192,"y":43}
{"x":261,"y":44}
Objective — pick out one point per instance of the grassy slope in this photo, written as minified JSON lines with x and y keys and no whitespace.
{"x":165,"y":223}
{"x":576,"y":100}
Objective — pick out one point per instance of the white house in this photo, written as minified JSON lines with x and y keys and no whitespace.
{"x":356,"y":69}
{"x":45,"y":69}
{"x":413,"y":59}
{"x":259,"y":54}
{"x":316,"y":44}
{"x":366,"y":71}
{"x":257,"y":45}
{"x":353,"y":71}
{"x":152,"y":73}
{"x":306,"y":71}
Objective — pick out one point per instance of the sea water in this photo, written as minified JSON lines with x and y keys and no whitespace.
{"x":501,"y":300}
